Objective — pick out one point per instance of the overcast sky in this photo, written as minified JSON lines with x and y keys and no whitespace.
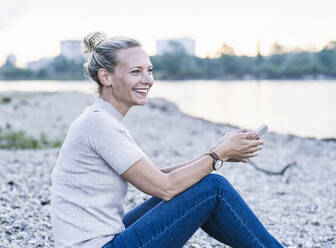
{"x":33,"y":29}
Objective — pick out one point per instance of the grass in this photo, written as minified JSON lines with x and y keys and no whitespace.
{"x":20,"y":140}
{"x":5,"y":100}
{"x":10,"y":139}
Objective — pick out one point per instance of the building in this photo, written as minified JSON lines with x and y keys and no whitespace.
{"x":11,"y":60}
{"x":168,"y":46}
{"x":72,"y":50}
{"x":39,"y":64}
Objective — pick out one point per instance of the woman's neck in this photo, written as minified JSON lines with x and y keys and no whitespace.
{"x":118,"y":106}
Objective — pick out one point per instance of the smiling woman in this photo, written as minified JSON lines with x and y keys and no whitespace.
{"x":99,"y":157}
{"x":128,"y":83}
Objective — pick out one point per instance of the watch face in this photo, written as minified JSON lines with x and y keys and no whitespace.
{"x":218,"y":164}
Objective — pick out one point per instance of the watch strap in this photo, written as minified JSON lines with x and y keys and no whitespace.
{"x":215,"y":157}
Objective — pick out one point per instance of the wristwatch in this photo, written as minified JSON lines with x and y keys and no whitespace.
{"x":217,"y":162}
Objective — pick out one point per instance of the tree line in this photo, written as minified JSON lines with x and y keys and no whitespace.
{"x":177,"y":65}
{"x":60,"y":68}
{"x":226,"y":65}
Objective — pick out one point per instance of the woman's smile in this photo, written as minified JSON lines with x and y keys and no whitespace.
{"x":141,"y":91}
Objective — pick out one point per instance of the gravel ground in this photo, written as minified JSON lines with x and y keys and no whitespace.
{"x":298,"y":207}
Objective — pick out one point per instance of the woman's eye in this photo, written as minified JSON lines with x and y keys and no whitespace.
{"x":150,"y":70}
{"x":135,"y":71}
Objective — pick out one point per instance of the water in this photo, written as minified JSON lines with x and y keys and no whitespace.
{"x":304,"y":108}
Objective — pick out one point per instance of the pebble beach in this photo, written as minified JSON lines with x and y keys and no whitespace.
{"x":298,"y":206}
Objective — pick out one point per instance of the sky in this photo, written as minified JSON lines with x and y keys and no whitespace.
{"x":34,"y":29}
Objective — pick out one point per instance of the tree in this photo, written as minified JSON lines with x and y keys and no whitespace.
{"x":326,"y":58}
{"x":278,"y":55}
{"x":225,"y":50}
{"x":298,"y":64}
{"x":277,"y":48}
{"x":12,"y":73}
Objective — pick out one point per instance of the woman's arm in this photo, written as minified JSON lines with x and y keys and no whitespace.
{"x":147,"y":177}
{"x":174,"y":167}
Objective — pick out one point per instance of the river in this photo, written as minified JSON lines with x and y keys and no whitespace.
{"x":303,"y":108}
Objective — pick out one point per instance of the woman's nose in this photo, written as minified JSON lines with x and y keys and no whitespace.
{"x":147,"y":79}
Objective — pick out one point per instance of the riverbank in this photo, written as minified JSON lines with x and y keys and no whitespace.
{"x":298,"y":208}
{"x":244,"y":103}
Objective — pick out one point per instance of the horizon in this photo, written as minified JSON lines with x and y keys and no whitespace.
{"x":239,"y":24}
{"x":286,"y":50}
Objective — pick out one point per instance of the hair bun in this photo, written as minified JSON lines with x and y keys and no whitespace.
{"x":93,"y":40}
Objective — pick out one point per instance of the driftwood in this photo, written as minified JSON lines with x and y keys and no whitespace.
{"x":272,"y":173}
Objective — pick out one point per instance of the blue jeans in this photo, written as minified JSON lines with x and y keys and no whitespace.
{"x":212,"y":204}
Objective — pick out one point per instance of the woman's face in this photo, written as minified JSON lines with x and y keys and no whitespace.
{"x":132,"y":78}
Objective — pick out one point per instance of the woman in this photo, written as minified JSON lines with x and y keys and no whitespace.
{"x":99,"y":157}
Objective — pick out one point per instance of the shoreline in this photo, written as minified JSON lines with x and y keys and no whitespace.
{"x":22,"y":94}
{"x":298,"y":207}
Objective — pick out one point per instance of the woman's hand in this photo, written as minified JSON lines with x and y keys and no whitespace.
{"x":225,"y":136}
{"x":237,"y":146}
{"x":251,"y":136}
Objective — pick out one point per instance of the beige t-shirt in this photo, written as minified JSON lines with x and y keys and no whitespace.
{"x":87,"y":203}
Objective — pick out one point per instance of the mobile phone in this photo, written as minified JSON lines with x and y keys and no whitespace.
{"x":261,"y":130}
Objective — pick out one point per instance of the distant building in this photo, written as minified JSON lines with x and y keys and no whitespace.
{"x":167,"y":46}
{"x":11,"y":60}
{"x":39,"y":64}
{"x":72,"y":49}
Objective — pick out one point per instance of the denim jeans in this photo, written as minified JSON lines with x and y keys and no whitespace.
{"x":212,"y":204}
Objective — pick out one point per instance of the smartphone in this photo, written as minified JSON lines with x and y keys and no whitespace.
{"x":261,"y":130}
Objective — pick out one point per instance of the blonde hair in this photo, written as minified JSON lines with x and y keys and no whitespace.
{"x":104,"y":53}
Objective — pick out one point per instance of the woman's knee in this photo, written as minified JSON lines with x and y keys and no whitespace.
{"x":212,"y":184}
{"x":217,"y":181}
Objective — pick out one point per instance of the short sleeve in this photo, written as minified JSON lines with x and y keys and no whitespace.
{"x":112,"y":142}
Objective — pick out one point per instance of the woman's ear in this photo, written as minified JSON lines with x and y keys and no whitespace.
{"x":104,"y":77}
